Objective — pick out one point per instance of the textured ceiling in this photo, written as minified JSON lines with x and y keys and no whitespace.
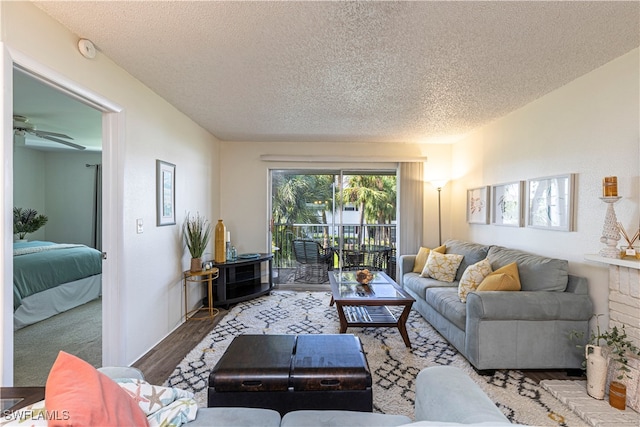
{"x":352,"y":71}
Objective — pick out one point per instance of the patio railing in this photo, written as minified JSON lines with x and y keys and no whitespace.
{"x":357,"y":245}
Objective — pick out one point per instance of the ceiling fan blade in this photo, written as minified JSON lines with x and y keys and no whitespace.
{"x":45,"y":133}
{"x":62,"y":141}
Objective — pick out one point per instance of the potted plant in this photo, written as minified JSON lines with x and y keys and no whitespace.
{"x":197,"y":231}
{"x":27,"y":221}
{"x":619,"y":347}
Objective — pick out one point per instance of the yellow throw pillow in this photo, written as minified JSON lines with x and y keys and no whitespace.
{"x":421,"y":258}
{"x":503,"y":279}
{"x":442,"y":267}
{"x":472,"y":277}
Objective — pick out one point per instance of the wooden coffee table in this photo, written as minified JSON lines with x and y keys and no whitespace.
{"x":367,"y":306}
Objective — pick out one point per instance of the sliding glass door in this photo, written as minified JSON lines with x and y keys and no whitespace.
{"x":351,"y":213}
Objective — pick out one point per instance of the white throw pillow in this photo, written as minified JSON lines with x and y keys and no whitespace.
{"x":472,"y":277}
{"x":442,"y":267}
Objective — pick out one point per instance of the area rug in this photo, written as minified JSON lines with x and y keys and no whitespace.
{"x":393,"y":366}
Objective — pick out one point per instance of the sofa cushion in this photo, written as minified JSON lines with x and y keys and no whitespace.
{"x":333,"y":418}
{"x":442,"y":266}
{"x":503,"y":279}
{"x":447,"y":394}
{"x":536,"y":273}
{"x":472,"y":277}
{"x":446,"y":302}
{"x":473,"y":252}
{"x":421,"y":257}
{"x":89,"y":397}
{"x":419,"y":284}
{"x":241,"y":416}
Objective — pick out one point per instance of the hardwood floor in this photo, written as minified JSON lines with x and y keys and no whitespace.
{"x":160,"y":361}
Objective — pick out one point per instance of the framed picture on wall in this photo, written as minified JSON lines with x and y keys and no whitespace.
{"x":478,"y":205}
{"x":507,"y":207}
{"x":165,"y":193}
{"x":550,"y":202}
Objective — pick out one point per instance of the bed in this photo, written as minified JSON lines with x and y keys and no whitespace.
{"x":49,"y":278}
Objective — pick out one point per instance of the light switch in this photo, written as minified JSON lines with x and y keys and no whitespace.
{"x":139,"y":228}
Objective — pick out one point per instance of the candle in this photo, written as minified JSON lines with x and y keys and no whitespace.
{"x":610,"y":186}
{"x":228,"y":236}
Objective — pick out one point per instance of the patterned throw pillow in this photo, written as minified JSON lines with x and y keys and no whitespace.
{"x":503,"y":279}
{"x":423,"y":254}
{"x":472,"y":277}
{"x":442,"y":267}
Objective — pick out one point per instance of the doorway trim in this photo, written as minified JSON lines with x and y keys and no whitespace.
{"x":113,"y":131}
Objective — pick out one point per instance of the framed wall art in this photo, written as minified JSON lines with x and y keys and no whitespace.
{"x":165,"y":193}
{"x":507,"y":207}
{"x":550,"y":202}
{"x":478,"y":205}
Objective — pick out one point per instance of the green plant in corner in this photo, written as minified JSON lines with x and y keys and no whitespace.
{"x":197,"y":231}
{"x":620,"y":346}
{"x":27,"y":221}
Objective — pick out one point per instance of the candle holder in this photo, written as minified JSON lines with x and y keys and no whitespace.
{"x":610,"y":230}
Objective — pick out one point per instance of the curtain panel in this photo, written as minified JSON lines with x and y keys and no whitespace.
{"x":410,"y":207}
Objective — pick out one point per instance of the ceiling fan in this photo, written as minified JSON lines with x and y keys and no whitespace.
{"x":21,"y":126}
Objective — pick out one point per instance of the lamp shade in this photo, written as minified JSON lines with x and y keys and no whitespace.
{"x":439,"y":183}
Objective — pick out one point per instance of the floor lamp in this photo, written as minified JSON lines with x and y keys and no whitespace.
{"x":438,"y":184}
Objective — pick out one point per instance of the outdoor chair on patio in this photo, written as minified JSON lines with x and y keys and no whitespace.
{"x":312,"y":261}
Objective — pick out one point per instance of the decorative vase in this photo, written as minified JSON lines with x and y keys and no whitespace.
{"x":196,"y":264}
{"x":220,"y":255}
{"x":596,"y":371}
{"x":618,"y":395}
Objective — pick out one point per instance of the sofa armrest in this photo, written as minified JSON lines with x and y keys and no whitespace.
{"x":405,"y":264}
{"x":447,"y":394}
{"x":528,"y":305}
{"x":115,"y":372}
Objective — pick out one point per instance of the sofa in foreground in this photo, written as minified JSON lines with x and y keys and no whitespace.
{"x":77,"y":394}
{"x":528,"y":328}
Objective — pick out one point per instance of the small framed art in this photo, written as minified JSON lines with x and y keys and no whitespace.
{"x":507,"y":207}
{"x":478,"y":205}
{"x":550,"y":202}
{"x":165,"y":193}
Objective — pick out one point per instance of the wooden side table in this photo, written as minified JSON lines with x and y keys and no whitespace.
{"x":14,"y":398}
{"x":204,"y":276}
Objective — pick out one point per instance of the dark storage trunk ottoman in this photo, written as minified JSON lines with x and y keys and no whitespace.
{"x":288,"y":372}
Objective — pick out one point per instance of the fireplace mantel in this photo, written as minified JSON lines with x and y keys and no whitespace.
{"x":627,"y":262}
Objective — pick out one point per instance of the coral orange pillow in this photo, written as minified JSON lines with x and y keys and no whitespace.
{"x":423,"y":255}
{"x":503,"y":279}
{"x":82,"y":396}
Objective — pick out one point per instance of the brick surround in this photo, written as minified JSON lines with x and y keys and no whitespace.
{"x":624,"y":310}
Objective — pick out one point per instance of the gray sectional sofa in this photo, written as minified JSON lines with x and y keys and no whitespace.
{"x":438,"y":393}
{"x":527,"y":329}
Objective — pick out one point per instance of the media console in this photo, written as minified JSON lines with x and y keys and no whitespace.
{"x":243,"y":279}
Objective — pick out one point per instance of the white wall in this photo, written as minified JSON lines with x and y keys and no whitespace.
{"x":59,"y":185}
{"x":69,"y":196}
{"x":588,"y":127}
{"x":244,"y":204}
{"x":29,"y":184}
{"x":150,"y":264}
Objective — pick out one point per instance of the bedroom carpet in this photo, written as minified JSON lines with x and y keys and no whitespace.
{"x":77,"y":331}
{"x":393,"y":366}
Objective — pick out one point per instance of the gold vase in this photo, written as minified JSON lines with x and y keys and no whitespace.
{"x":220,"y":255}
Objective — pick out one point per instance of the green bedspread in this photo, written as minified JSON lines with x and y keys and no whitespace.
{"x":38,"y":266}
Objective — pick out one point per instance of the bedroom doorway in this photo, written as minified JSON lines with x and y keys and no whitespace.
{"x":64,"y":183}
